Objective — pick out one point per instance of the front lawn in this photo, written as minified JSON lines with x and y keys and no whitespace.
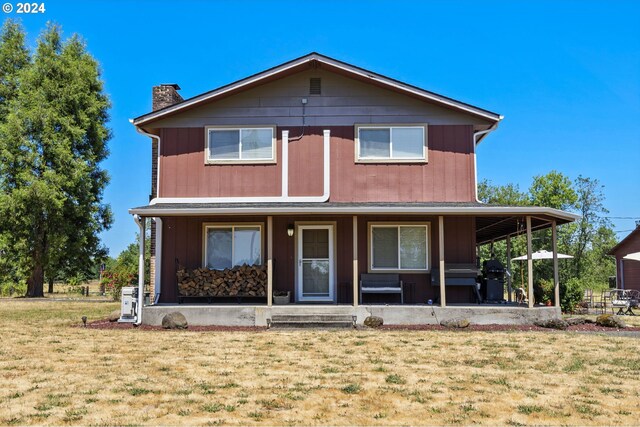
{"x":55,"y":372}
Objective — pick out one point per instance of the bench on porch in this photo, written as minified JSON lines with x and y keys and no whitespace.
{"x":381,"y":284}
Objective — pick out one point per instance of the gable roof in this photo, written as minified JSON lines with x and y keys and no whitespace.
{"x":317,"y":60}
{"x":634,"y":234}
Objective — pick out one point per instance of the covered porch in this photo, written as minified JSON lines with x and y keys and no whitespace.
{"x":319,"y":252}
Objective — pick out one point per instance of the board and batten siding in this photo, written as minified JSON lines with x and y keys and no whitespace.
{"x":628,"y":271}
{"x":447,"y":177}
{"x":183,"y":246}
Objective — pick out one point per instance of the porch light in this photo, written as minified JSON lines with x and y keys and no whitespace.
{"x":290,"y":230}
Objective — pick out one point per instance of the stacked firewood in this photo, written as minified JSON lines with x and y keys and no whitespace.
{"x":243,"y":280}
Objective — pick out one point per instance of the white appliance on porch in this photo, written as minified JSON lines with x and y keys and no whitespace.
{"x":315,"y":271}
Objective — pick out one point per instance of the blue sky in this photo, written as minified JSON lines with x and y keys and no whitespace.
{"x":565,"y":74}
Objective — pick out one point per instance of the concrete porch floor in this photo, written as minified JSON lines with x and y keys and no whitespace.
{"x":257,"y":315}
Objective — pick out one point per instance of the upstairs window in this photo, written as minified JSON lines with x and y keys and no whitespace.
{"x":391,"y":143}
{"x":240,"y":145}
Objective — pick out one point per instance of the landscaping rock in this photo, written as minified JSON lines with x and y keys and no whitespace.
{"x":373,"y":321}
{"x":456,"y":323}
{"x":553,"y":324}
{"x":175,"y":320}
{"x":114,"y":316}
{"x":576,"y":321}
{"x":610,"y":321}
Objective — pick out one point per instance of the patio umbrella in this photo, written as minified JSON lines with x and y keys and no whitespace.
{"x":634,"y":256}
{"x":541,"y":254}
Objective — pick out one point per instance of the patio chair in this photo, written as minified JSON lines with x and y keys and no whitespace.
{"x":621,"y":300}
{"x":587,"y":298}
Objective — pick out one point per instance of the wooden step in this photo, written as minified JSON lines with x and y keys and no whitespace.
{"x":311,"y":320}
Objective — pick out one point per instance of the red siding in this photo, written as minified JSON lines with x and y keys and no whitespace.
{"x":448,"y":175}
{"x":630,"y":268}
{"x":184,"y":173}
{"x":182,"y":244}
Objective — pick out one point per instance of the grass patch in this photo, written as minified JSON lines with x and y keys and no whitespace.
{"x":395,"y":379}
{"x":352,"y":389}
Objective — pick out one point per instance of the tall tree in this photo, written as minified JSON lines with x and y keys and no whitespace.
{"x":592,"y":223}
{"x":53,"y":140}
{"x":14,"y":57}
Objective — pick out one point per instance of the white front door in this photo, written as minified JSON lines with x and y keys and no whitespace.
{"x":315,"y":263}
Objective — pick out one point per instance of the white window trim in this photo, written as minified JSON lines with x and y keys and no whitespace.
{"x":372,"y":225}
{"x":425,"y":151}
{"x":211,"y":161}
{"x":233,"y":226}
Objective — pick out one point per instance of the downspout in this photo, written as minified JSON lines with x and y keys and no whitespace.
{"x":140,"y":221}
{"x":476,"y":136}
{"x":157,"y":138}
{"x":158,"y":277}
{"x":285,"y":182}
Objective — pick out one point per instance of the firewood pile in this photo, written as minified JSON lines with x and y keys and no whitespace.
{"x":243,"y":280}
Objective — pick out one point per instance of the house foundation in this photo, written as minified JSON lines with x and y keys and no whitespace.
{"x":258,"y":315}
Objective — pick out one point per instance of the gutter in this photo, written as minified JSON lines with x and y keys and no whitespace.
{"x":157,"y":138}
{"x":140,"y":221}
{"x":396,"y":210}
{"x":477,"y":136}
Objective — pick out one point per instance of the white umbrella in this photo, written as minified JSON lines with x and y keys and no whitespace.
{"x":541,"y":254}
{"x":634,"y":256}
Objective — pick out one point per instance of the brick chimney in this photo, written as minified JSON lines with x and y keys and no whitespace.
{"x":165,"y":95}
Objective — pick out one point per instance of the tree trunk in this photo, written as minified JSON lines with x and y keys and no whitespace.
{"x":35,"y":282}
{"x":50,"y":285}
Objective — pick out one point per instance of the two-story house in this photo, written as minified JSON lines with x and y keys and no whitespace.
{"x":323,"y":174}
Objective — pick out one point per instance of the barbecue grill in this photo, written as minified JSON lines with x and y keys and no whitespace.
{"x":493,"y":273}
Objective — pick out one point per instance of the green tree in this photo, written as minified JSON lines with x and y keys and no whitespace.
{"x":553,"y":190}
{"x":506,"y":195}
{"x":53,"y":139}
{"x":592,"y":229}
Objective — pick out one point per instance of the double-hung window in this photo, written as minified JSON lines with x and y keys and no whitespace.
{"x":240,"y":144}
{"x":381,"y":143}
{"x":399,"y":247}
{"x":227,"y":246}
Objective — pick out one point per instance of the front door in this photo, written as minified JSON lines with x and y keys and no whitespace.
{"x":315,"y":263}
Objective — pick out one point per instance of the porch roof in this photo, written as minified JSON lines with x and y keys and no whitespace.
{"x":493,"y":222}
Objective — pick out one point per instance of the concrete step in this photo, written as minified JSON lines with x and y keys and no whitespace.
{"x":311,"y":321}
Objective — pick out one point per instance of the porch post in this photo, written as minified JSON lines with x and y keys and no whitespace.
{"x":141,"y":221}
{"x":158,"y":275}
{"x":529,"y":263}
{"x":269,"y":261}
{"x":443,"y":296}
{"x":509,"y":286}
{"x":556,"y":281}
{"x":355,"y":262}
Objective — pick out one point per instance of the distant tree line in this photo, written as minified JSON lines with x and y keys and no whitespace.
{"x":588,"y":239}
{"x":53,"y":137}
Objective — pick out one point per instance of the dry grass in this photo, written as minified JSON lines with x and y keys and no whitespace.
{"x":52,"y":373}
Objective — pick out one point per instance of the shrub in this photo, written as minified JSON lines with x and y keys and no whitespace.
{"x":570,"y":295}
{"x":543,"y":291}
{"x":114,"y":281}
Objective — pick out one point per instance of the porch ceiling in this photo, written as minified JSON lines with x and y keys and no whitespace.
{"x":495,"y":228}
